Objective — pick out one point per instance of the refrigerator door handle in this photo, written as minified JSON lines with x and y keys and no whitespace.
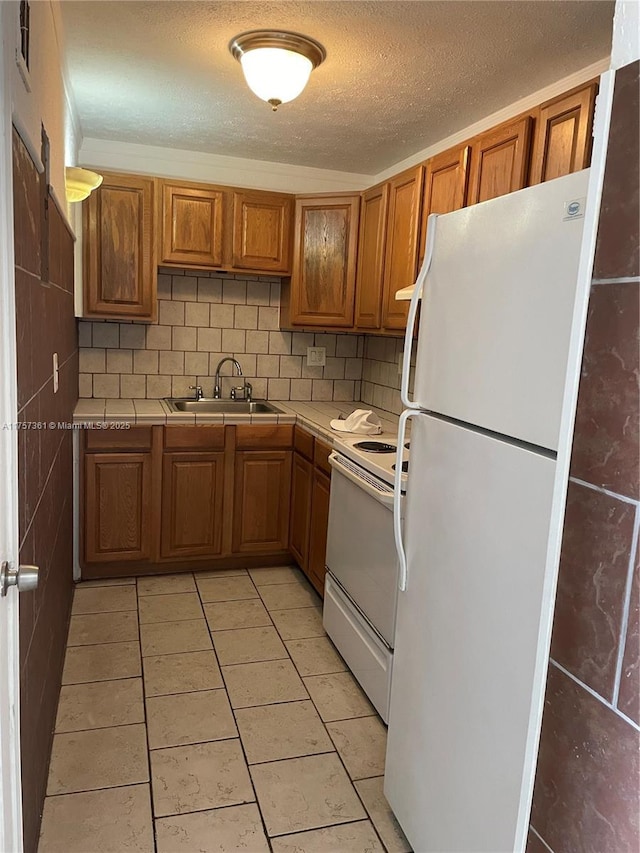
{"x":397,"y":499}
{"x":413,"y":310}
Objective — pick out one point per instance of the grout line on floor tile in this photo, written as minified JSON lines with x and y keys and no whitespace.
{"x":235,"y":720}
{"x":146,"y":731}
{"x":328,"y":826}
{"x":291,"y":757}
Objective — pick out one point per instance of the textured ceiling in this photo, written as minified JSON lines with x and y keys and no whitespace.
{"x":398,"y":76}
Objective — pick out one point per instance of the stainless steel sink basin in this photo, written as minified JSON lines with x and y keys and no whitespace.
{"x":221,"y":407}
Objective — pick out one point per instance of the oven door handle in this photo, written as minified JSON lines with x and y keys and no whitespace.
{"x":385,"y":498}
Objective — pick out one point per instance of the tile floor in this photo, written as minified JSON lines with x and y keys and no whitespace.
{"x":210,"y":712}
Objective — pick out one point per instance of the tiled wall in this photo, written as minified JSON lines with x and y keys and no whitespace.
{"x":380,"y":376}
{"x":200,"y":320}
{"x":588,"y":780}
{"x":45,"y":324}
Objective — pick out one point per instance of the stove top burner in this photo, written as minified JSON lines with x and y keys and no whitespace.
{"x":375,"y":447}
{"x":405,"y":467}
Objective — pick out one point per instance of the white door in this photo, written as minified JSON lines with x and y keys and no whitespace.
{"x":466,"y":686}
{"x":10,"y":787}
{"x":497,"y":311}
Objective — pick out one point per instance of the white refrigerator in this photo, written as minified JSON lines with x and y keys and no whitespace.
{"x":497,"y":367}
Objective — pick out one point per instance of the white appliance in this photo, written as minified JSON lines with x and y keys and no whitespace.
{"x":497,"y":369}
{"x":361,"y":584}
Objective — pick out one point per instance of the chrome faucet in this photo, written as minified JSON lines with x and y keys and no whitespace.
{"x":236,"y":364}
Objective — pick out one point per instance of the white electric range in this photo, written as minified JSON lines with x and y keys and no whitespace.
{"x":362,"y":567}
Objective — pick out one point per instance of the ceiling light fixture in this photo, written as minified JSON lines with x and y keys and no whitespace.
{"x":80,"y":183}
{"x":276,"y":63}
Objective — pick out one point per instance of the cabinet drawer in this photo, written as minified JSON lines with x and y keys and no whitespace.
{"x":263,"y":437}
{"x":303,"y":443}
{"x":134,"y":438}
{"x":201,"y":437}
{"x":321,"y":456}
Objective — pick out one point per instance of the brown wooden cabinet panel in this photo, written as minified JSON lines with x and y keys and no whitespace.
{"x":300,"y":517}
{"x":303,"y":443}
{"x":199,"y":437}
{"x":324,"y":261}
{"x":499,"y":160}
{"x":192,"y":504}
{"x":401,"y":254}
{"x":445,"y":186}
{"x":320,"y":492}
{"x":264,"y":436}
{"x":117,"y":507}
{"x":191,"y":225}
{"x":261,"y":501}
{"x":371,"y":248}
{"x":119,"y":249}
{"x":134,"y":438}
{"x":562,"y":142}
{"x":261,"y":238}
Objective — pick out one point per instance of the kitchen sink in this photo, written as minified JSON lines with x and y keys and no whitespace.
{"x":210,"y":406}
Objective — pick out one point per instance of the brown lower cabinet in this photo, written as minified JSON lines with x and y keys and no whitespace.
{"x":310,"y":489}
{"x":117,"y":499}
{"x":192,"y":504}
{"x":261,"y":501}
{"x":162,"y":498}
{"x":301,"y":487}
{"x":318,"y":533}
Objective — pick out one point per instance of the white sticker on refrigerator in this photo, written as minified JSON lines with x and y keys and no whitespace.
{"x":574,"y":209}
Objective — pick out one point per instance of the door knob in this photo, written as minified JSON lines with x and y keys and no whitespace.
{"x":26,"y":578}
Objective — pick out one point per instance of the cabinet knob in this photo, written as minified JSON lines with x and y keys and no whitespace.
{"x":25,"y":579}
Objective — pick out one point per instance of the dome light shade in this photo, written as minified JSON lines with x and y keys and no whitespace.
{"x":80,"y":183}
{"x":276,"y":65}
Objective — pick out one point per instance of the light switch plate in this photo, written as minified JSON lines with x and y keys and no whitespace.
{"x":55,"y":373}
{"x":316,"y":356}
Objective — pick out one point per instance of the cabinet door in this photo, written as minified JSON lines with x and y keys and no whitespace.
{"x":261,"y":501}
{"x":262,"y":231}
{"x":324,"y":261}
{"x":562,"y":142}
{"x":319,"y":525}
{"x":118,"y":520}
{"x":119,"y":249}
{"x":445,"y":187}
{"x":371,"y":244}
{"x":300,"y":523}
{"x":191,"y":225}
{"x":401,"y":254}
{"x":192,"y":504}
{"x":499,"y":160}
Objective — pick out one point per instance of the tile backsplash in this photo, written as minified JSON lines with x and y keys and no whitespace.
{"x":201,"y":319}
{"x":380,"y":375}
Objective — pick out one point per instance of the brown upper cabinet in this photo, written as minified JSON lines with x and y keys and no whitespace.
{"x":191,"y":220}
{"x":401,"y":248}
{"x":324,"y":261}
{"x":500,"y":160}
{"x":445,"y":186}
{"x":261,"y":238}
{"x":562,"y":142}
{"x":371,"y":251}
{"x":120,"y":268}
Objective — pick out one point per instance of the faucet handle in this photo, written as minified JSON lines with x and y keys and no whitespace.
{"x":248,"y":391}
{"x":197,"y":389}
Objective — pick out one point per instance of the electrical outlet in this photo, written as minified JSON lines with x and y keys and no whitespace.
{"x":55,"y":373}
{"x":316,"y":356}
{"x":400,"y":360}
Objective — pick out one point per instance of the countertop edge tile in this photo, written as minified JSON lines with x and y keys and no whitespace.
{"x":313,"y":416}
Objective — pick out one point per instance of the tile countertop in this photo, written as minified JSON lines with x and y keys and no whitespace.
{"x":314,"y":416}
